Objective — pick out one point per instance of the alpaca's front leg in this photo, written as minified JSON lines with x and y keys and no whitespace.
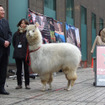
{"x":50,"y":86}
{"x":44,"y":87}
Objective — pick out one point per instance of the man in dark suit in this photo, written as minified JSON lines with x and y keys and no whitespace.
{"x":5,"y":41}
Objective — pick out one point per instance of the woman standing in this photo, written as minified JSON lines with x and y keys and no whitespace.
{"x":20,"y":48}
{"x":97,"y":41}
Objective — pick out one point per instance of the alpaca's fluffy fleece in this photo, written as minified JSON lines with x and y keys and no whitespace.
{"x":49,"y":58}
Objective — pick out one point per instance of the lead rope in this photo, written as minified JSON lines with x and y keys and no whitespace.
{"x":28,"y":60}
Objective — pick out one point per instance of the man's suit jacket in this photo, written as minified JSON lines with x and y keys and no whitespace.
{"x":5,"y":34}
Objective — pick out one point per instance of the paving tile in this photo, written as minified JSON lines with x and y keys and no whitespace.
{"x":82,"y":93}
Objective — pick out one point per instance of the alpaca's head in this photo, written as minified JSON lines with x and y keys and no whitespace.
{"x":33,"y":35}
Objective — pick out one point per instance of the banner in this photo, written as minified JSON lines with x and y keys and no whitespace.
{"x":52,"y":29}
{"x":77,"y":38}
{"x":73,"y":35}
{"x":59,"y":33}
{"x":41,"y":23}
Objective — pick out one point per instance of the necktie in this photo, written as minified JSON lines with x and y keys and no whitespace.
{"x":1,"y":24}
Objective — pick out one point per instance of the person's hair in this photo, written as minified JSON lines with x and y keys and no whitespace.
{"x":1,"y":5}
{"x":26,"y":22}
{"x":100,"y":32}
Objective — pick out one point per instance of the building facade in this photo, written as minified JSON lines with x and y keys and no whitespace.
{"x":87,"y":15}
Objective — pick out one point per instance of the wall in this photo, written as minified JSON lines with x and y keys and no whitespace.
{"x":98,"y":8}
{"x":37,"y":5}
{"x":95,"y":6}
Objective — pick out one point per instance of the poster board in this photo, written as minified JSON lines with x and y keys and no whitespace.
{"x":73,"y":36}
{"x":100,"y":66}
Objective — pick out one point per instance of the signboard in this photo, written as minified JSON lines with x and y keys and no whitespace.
{"x":100,"y":66}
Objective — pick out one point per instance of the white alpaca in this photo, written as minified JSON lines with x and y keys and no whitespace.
{"x":49,"y":58}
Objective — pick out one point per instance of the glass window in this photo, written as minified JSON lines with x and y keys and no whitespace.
{"x":83,"y":33}
{"x":50,"y":8}
{"x":69,"y":8}
{"x":93,"y":31}
{"x":101,"y":23}
{"x":83,"y":15}
{"x":70,"y":11}
{"x":93,"y":21}
{"x":50,"y":4}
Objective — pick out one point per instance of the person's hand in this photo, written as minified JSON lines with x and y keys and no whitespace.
{"x":6,"y":44}
{"x":92,"y":51}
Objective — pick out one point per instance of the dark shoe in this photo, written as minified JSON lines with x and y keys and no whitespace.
{"x":94,"y":84}
{"x":4,"y":92}
{"x":18,"y":87}
{"x":28,"y":87}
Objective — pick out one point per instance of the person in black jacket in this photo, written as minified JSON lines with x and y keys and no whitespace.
{"x":19,"y":54}
{"x":5,"y":41}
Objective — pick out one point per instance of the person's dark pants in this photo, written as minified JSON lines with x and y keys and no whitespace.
{"x":3,"y":69}
{"x":19,"y":71}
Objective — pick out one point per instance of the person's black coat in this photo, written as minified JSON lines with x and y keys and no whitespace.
{"x":19,"y":53}
{"x":5,"y":34}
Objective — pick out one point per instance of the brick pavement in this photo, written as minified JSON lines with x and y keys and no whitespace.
{"x":83,"y":92}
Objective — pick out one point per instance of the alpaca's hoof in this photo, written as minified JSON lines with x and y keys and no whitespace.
{"x":67,"y":89}
{"x":49,"y":88}
{"x":43,"y":90}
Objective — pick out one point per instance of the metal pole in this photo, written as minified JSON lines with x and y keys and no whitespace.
{"x":94,"y":70}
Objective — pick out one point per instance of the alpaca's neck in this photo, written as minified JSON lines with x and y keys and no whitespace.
{"x":35,"y":46}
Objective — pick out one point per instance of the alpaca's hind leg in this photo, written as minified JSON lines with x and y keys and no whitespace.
{"x":50,"y":80}
{"x":71,"y":77}
{"x":68,"y":84}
